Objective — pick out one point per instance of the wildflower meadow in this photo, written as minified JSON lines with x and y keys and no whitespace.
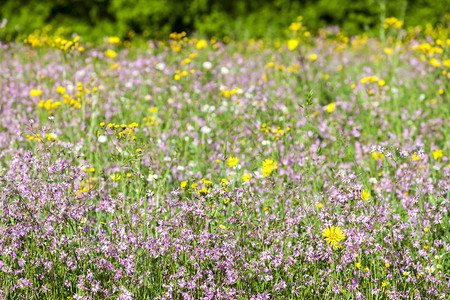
{"x":312,"y":167}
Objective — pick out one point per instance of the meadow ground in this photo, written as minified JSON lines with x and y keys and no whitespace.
{"x":312,"y":168}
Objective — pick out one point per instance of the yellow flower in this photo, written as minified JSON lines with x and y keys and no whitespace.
{"x":110,"y":53}
{"x":384,"y":283}
{"x":434,"y":62}
{"x":426,"y":229}
{"x":365,"y":195}
{"x":115,"y":177}
{"x":60,"y":90}
{"x":366,"y":270}
{"x":292,"y":44}
{"x":129,"y":175}
{"x":330,"y":107}
{"x":203,"y":191}
{"x":183,"y":184}
{"x":35,"y":93}
{"x":381,"y":82}
{"x":358,"y":265}
{"x":114,"y":40}
{"x":246,"y":177}
{"x":268,"y":166}
{"x":81,"y":49}
{"x":388,"y":50}
{"x":194,"y":185}
{"x":415,"y":157}
{"x":387,"y":265}
{"x":313,"y":57}
{"x":378,"y":156}
{"x":295,"y":26}
{"x":232,"y":161}
{"x":319,"y":205}
{"x":437,"y":154}
{"x":201,"y":44}
{"x":333,"y":235}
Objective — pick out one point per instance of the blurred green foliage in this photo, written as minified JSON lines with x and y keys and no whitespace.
{"x":94,"y":19}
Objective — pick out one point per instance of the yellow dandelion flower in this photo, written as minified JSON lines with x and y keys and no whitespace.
{"x":437,"y":154}
{"x":246,"y":177}
{"x":330,"y":107}
{"x":110,"y":53}
{"x":35,"y":93}
{"x":115,"y":177}
{"x":232,"y":161}
{"x":365,"y":195}
{"x":313,"y":57}
{"x":292,"y":44}
{"x":201,"y":44}
{"x":60,"y":90}
{"x":114,"y":40}
{"x":268,"y":166}
{"x":183,"y":184}
{"x":333,"y":235}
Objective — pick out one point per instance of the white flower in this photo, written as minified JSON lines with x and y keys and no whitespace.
{"x":224,"y":70}
{"x":373,"y":180}
{"x":102,"y":139}
{"x":207,"y":65}
{"x":205,"y":130}
{"x":160,"y":66}
{"x":53,"y":135}
{"x":180,"y":168}
{"x":152,"y":177}
{"x":265,"y":143}
{"x":430,"y":269}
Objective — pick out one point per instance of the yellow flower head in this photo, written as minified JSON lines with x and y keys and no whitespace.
{"x":333,"y":235}
{"x":292,"y":44}
{"x":246,"y":177}
{"x":313,"y":57}
{"x":378,"y":156}
{"x":201,"y":44}
{"x":183,"y":184}
{"x":365,"y":195}
{"x":115,"y":177}
{"x":415,"y":157}
{"x":268,"y":166}
{"x":203,"y":191}
{"x":114,"y":40}
{"x":110,"y":53}
{"x":60,"y":90}
{"x":35,"y":93}
{"x":232,"y":161}
{"x":437,"y":154}
{"x":330,"y":107}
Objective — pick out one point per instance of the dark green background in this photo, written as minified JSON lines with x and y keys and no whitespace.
{"x":94,"y":19}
